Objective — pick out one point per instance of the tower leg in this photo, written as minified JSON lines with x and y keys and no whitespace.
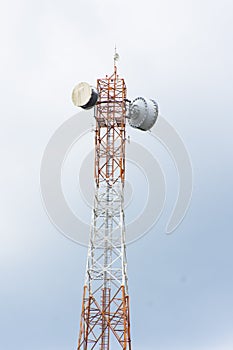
{"x":101,"y":323}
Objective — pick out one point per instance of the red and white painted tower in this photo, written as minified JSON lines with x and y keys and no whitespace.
{"x":105,"y":317}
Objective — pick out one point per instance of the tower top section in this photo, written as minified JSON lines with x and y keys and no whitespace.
{"x":110,"y":94}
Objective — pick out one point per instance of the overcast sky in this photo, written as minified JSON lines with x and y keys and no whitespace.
{"x":178,"y":52}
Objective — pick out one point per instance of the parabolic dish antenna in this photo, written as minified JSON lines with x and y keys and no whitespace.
{"x":84,"y":95}
{"x":143,"y":113}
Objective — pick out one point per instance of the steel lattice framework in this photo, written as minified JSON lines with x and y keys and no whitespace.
{"x":105,"y":321}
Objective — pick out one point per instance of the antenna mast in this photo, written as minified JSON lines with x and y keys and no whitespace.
{"x":105,"y":321}
{"x":105,"y":308}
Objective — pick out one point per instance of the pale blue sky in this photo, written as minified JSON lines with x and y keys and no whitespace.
{"x":178,"y":52}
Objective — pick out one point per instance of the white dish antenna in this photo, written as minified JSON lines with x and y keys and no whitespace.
{"x":84,"y":96}
{"x":143,"y":113}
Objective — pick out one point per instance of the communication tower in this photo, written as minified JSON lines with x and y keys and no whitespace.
{"x":105,"y":316}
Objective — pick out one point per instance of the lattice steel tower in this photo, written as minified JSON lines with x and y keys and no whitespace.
{"x":105,"y":318}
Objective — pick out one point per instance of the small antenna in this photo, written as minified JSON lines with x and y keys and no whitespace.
{"x":116,"y":56}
